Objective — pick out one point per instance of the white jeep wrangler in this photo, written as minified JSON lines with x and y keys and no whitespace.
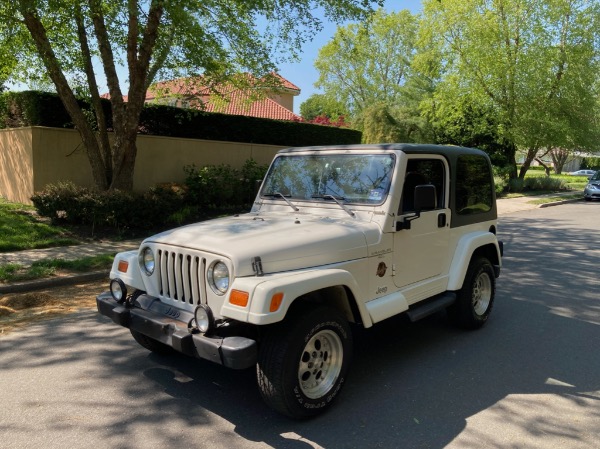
{"x":337,"y":235}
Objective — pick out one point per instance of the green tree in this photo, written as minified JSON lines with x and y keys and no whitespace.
{"x":367,"y":63}
{"x":530,"y":64}
{"x":68,"y":41}
{"x":320,"y":105}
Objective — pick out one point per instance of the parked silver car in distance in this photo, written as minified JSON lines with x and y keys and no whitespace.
{"x":587,"y":173}
{"x":592,"y":189}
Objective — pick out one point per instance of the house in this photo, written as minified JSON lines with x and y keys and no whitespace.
{"x":272,"y":98}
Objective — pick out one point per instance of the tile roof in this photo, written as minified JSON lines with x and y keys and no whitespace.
{"x":189,"y":92}
{"x":229,"y":99}
{"x":240,"y":103}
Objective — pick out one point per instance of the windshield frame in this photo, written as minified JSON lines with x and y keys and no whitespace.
{"x":331,"y":176}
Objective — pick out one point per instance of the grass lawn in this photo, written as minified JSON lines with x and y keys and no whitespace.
{"x":569,"y":185}
{"x":13,"y":272}
{"x":21,"y":229}
{"x":572,"y":182}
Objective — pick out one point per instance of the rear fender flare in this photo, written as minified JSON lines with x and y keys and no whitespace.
{"x":465,"y":249}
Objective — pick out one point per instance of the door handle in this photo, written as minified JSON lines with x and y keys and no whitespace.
{"x":442,"y":220}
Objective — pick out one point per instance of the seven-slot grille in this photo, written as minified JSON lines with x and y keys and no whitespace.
{"x":181,"y":276}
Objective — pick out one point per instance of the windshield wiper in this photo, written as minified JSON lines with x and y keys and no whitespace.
{"x":337,"y":201}
{"x":281,"y":195}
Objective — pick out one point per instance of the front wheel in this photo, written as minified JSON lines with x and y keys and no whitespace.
{"x":475,"y":299}
{"x":302,"y":363}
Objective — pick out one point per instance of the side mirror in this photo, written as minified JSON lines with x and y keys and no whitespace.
{"x":425,"y":197}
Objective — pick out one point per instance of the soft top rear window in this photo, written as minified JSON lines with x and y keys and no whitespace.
{"x":474,"y":187}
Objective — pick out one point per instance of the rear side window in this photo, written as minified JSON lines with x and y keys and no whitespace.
{"x":474,"y":187}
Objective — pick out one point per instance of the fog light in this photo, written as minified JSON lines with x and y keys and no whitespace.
{"x":204,"y":318}
{"x":118,"y":290}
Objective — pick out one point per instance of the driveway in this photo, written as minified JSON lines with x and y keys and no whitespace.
{"x":529,"y":379}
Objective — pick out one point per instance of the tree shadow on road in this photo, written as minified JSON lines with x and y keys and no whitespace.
{"x":410,"y":385}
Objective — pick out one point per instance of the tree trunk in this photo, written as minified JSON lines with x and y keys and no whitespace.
{"x":39,"y":35}
{"x":124,"y":154}
{"x":559,"y":157}
{"x":546,"y":167}
{"x":509,"y":151}
{"x":531,"y":154}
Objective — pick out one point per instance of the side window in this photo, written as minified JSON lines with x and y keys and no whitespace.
{"x":422,"y":172}
{"x":474,"y":192}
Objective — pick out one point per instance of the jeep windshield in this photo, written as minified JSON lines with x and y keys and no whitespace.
{"x":350,"y":178}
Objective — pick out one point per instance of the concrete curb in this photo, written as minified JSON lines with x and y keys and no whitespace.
{"x":22,"y":287}
{"x":558,"y":203}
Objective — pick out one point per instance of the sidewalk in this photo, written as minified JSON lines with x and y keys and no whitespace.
{"x":509,"y":205}
{"x":26,"y":258}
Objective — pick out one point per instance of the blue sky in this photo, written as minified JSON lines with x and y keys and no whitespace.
{"x":303,"y":73}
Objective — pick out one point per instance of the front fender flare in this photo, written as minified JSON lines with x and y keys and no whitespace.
{"x":292,"y":285}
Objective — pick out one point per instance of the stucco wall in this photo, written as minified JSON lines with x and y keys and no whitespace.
{"x":16,"y":164}
{"x":31,"y":158}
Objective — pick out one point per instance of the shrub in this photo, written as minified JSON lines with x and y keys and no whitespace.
{"x":208,"y":192}
{"x":221,"y":186}
{"x":535,"y":183}
{"x":64,"y":202}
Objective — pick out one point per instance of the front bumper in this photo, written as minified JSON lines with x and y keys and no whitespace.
{"x":170,"y":326}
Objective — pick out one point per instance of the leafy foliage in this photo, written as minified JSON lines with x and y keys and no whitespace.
{"x":367,"y":63}
{"x":530,"y":66}
{"x":590,"y":163}
{"x":64,"y":202}
{"x":223,"y":187}
{"x":63,"y":41}
{"x":208,"y":191}
{"x":319,"y":105}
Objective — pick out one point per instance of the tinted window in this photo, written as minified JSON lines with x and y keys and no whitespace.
{"x":422,"y":172}
{"x":474,"y":188}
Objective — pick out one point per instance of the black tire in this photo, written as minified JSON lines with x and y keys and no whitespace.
{"x":302,"y":362}
{"x":150,"y":344}
{"x":475,"y":300}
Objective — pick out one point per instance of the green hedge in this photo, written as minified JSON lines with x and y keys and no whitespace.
{"x":32,"y":108}
{"x":208,"y":192}
{"x":590,"y":163}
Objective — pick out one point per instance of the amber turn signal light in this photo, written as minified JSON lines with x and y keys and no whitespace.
{"x":276,"y":301}
{"x":239,"y":298}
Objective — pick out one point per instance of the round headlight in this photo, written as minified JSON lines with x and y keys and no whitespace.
{"x":147,"y":261}
{"x":118,"y":290}
{"x":218,"y":277}
{"x":204,"y":318}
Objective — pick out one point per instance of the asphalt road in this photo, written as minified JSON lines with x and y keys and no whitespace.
{"x":529,"y":379}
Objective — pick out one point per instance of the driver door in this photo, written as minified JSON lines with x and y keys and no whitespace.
{"x":420,"y":252}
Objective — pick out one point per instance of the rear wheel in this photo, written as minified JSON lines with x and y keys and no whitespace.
{"x":151,"y":344}
{"x":475,"y":299}
{"x":302,"y":363}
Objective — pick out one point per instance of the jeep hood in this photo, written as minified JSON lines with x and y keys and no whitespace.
{"x":283,"y":242}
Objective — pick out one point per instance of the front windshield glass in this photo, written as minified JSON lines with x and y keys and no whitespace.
{"x":352,"y":178}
